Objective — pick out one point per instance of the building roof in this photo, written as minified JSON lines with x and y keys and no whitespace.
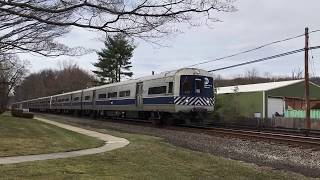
{"x":256,"y":87}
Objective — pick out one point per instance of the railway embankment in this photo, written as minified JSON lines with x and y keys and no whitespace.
{"x":279,"y":156}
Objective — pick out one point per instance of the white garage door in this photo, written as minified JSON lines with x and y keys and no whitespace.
{"x":275,"y":105}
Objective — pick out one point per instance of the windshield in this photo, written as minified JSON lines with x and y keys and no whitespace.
{"x":193,"y":85}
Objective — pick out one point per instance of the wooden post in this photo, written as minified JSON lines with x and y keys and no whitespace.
{"x":306,"y":76}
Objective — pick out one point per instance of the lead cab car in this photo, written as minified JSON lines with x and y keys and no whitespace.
{"x":194,"y":96}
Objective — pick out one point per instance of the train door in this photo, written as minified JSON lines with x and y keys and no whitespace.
{"x":50,"y":103}
{"x":139,"y":95}
{"x":81,"y":100}
{"x":71,"y":100}
{"x":93,"y":99}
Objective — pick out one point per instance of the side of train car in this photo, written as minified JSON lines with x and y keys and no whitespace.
{"x":182,"y":95}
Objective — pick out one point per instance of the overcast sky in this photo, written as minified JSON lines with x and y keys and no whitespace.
{"x":256,"y":22}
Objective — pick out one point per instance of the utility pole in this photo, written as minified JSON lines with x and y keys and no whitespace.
{"x":306,"y":79}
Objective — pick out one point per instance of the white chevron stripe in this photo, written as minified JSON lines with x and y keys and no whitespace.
{"x":192,"y":101}
{"x":197,"y":101}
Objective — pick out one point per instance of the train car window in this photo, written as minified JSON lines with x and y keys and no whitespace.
{"x":170,"y":90}
{"x":186,"y":86}
{"x":199,"y":86}
{"x":157,"y":90}
{"x":102,"y":96}
{"x":76,"y":99}
{"x":124,"y":93}
{"x":112,"y":95}
{"x":86,"y":98}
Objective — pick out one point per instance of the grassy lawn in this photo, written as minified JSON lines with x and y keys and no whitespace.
{"x":146,"y":157}
{"x":28,"y":136}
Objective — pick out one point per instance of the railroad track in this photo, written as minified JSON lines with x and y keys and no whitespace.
{"x":300,"y":132}
{"x":292,"y":139}
{"x":286,"y":138}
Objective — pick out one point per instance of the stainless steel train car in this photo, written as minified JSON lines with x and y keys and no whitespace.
{"x":181,"y":96}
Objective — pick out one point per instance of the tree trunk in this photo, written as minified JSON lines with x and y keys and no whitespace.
{"x":3,"y":95}
{"x":116,"y":77}
{"x":119,"y":74}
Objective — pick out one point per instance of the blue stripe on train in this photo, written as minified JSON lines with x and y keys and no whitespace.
{"x":117,"y":102}
{"x":152,"y":100}
{"x":87,"y":103}
{"x":76,"y":104}
{"x":158,"y":100}
{"x":155,"y":100}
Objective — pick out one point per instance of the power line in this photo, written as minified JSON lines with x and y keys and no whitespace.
{"x":314,"y":31}
{"x":254,"y":49}
{"x":264,"y":59}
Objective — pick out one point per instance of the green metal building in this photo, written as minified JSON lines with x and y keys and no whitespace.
{"x":263,"y":100}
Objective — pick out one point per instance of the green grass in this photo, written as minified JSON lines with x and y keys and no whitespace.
{"x":146,"y":157}
{"x":19,"y":136}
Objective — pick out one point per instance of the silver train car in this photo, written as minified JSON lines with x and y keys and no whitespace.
{"x":181,"y":96}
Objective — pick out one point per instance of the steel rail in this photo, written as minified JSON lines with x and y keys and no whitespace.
{"x":314,"y":141}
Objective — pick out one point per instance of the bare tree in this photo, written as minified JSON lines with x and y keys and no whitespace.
{"x":12,"y":71}
{"x":71,"y":77}
{"x":297,"y":73}
{"x":20,"y":34}
{"x":32,"y":25}
{"x":252,"y":74}
{"x":50,"y":82}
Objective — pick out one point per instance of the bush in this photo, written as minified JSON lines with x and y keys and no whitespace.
{"x":20,"y":113}
{"x":27,"y":115}
{"x":16,"y":112}
{"x":2,"y":111}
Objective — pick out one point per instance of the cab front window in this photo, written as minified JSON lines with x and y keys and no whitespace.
{"x":195,"y":85}
{"x":198,"y":86}
{"x":186,"y":85}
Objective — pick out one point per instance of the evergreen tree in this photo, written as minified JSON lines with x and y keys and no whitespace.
{"x":114,"y":60}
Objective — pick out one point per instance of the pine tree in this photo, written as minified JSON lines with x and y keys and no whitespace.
{"x":114,"y":60}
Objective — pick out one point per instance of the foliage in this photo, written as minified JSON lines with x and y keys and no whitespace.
{"x":114,"y":60}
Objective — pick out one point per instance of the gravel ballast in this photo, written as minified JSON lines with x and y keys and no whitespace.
{"x":278,"y":156}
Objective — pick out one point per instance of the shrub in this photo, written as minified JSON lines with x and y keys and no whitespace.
{"x":20,"y":113}
{"x":16,"y":112}
{"x":2,"y":111}
{"x":27,"y":115}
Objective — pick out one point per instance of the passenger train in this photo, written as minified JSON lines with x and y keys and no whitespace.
{"x":181,"y":96}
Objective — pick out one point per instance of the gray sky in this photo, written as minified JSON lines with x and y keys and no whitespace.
{"x":256,"y":22}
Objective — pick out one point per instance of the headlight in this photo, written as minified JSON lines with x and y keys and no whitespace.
{"x":187,"y":100}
